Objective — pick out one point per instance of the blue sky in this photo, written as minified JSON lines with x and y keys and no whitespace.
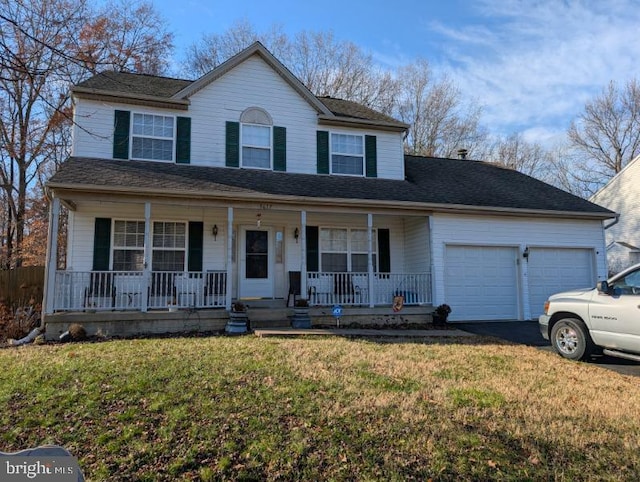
{"x":531,"y":64}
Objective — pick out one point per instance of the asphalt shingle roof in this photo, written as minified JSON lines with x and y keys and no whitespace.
{"x":127,"y":83}
{"x":165,"y":88}
{"x":430,"y":181}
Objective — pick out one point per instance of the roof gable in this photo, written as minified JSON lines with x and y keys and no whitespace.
{"x":260,"y":50}
{"x":628,"y":170}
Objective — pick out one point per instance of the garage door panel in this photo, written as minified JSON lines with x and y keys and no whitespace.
{"x":552,"y":270}
{"x":481,"y":282}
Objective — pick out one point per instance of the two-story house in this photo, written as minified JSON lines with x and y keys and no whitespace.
{"x":243,"y":185}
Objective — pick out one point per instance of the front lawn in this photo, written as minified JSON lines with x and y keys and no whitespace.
{"x":320,"y":409}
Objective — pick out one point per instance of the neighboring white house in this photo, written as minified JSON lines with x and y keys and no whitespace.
{"x":197,"y":193}
{"x":622,"y":195}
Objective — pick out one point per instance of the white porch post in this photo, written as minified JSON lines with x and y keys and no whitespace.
{"x":303,"y":254}
{"x":370,"y":257}
{"x":146,"y":277}
{"x":51,"y":265}
{"x":229,"y":257}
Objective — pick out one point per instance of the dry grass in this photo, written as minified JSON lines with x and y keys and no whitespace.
{"x":316,"y":409}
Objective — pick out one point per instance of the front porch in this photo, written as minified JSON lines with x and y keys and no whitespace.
{"x":134,"y":266}
{"x":90,"y":291}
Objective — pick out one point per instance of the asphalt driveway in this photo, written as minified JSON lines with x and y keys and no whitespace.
{"x":527,"y":333}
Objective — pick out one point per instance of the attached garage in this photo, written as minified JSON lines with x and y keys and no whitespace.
{"x":551,"y":270}
{"x":481,"y":282}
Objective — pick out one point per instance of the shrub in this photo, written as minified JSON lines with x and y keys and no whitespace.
{"x":302,"y":303}
{"x":18,"y":323}
{"x":77,"y":332}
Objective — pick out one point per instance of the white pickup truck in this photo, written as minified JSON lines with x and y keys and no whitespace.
{"x":605,"y":319}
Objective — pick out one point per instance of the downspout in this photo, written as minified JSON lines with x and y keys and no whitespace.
{"x":613,"y":223}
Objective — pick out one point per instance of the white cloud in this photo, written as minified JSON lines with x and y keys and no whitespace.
{"x":534,"y":64}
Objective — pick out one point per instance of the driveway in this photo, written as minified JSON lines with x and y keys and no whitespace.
{"x":527,"y":333}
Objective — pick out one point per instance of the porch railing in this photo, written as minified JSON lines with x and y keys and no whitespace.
{"x":132,"y":290}
{"x":327,"y":289}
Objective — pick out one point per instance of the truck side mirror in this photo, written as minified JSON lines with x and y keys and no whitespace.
{"x":603,"y":287}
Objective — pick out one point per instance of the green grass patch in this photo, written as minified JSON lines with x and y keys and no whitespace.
{"x":246,"y":408}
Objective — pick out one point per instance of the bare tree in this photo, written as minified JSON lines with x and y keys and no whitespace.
{"x":326,"y":66}
{"x":530,"y":158}
{"x":126,"y":37}
{"x":606,"y":136}
{"x":440,"y":122}
{"x":44,"y":46}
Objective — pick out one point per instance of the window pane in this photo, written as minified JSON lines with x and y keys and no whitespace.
{"x":147,"y":148}
{"x":347,"y":144}
{"x":257,"y":266}
{"x":169,"y":235}
{"x":334,"y":262}
{"x":256,"y":136}
{"x":254,"y":157}
{"x":359,"y":263}
{"x":168,"y":260}
{"x":346,"y":164}
{"x":333,"y":240}
{"x":128,"y":260}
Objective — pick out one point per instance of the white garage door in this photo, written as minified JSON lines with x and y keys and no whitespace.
{"x":481,"y":282}
{"x":552,"y":270}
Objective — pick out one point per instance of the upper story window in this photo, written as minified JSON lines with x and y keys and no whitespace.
{"x":152,"y":137}
{"x":256,"y":138}
{"x":347,"y":154}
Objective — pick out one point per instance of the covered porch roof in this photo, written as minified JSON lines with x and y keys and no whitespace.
{"x":439,"y":185}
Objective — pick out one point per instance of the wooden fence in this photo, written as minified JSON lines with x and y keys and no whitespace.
{"x":18,"y":286}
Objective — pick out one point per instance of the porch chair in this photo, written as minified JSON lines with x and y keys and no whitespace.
{"x":295,"y":286}
{"x":215,"y":286}
{"x":344,"y":289}
{"x":100,"y":288}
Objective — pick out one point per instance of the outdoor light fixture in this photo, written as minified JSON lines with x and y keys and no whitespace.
{"x":258,"y":219}
{"x":296,"y":234}
{"x":525,"y":253}
{"x":214,"y":231}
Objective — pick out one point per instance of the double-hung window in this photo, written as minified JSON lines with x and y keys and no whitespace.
{"x":346,"y":250}
{"x":256,"y":146}
{"x":152,"y":137}
{"x":169,"y":246}
{"x":347,"y":154}
{"x":128,"y":245}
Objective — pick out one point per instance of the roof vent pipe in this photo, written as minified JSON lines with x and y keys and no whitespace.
{"x":462,"y":153}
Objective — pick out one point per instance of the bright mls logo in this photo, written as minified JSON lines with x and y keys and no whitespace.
{"x":49,"y":469}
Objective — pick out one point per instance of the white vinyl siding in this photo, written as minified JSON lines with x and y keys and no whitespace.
{"x":515,"y":233}
{"x":251,"y":84}
{"x":622,"y":195}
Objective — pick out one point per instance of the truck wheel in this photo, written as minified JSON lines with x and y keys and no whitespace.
{"x":570,"y":339}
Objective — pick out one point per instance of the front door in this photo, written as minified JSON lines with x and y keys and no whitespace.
{"x":256,"y":263}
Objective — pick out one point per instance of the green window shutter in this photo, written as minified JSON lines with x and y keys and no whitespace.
{"x":313,"y":248}
{"x":279,"y":149}
{"x":194,"y":256}
{"x":371,"y":155}
{"x":121,"y":122}
{"x":183,"y":140}
{"x":322,"y":138}
{"x":232,"y":152}
{"x":101,"y":244}
{"x":384,"y":251}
